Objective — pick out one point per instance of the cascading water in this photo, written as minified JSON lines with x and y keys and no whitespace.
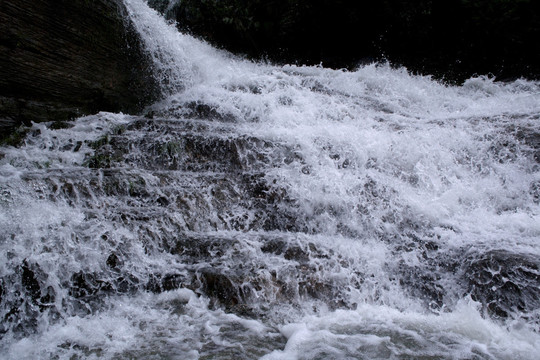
{"x":277,"y":212}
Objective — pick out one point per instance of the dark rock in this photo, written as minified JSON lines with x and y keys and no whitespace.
{"x":220,"y":287}
{"x":154,"y":284}
{"x":24,"y":297}
{"x":158,"y":283}
{"x":47,"y":300}
{"x":113,"y":261}
{"x":126,"y":284}
{"x":29,"y":282}
{"x":172,"y":282}
{"x":88,"y":290}
{"x":197,"y":110}
{"x":60,"y":59}
{"x":424,"y":284}
{"x":534,"y":190}
{"x":532,"y":140}
{"x":84,"y":285}
{"x":11,"y":135}
{"x":289,"y":251}
{"x":505,"y":283}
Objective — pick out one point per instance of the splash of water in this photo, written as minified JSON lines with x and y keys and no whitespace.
{"x":277,"y":212}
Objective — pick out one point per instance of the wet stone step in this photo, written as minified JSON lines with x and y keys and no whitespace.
{"x":175,"y":125}
{"x":241,"y":272}
{"x":164,"y":144}
{"x":191,"y":152}
{"x":194,"y":201}
{"x":235,"y":268}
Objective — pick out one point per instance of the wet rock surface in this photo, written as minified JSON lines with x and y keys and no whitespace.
{"x":185,"y":178}
{"x":504,"y":283}
{"x":63,"y":59}
{"x":195,"y":196}
{"x":190,"y":175}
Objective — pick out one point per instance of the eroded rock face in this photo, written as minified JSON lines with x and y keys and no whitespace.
{"x":61,"y":59}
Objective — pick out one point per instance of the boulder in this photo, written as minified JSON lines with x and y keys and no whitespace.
{"x":60,"y":59}
{"x":505,"y":283}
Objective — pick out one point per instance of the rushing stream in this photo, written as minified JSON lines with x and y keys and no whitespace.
{"x":277,"y":212}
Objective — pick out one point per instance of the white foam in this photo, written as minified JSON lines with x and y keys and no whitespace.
{"x":375,"y":163}
{"x":379,"y":332}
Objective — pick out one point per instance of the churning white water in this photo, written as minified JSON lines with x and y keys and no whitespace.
{"x":276,"y":212}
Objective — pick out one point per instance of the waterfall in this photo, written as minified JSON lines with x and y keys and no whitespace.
{"x":277,"y":212}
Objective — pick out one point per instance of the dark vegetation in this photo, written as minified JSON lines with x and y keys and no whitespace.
{"x":451,"y":39}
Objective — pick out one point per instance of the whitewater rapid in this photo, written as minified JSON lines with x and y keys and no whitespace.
{"x":277,"y":212}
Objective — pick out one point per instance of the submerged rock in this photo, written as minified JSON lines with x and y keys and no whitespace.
{"x":505,"y":283}
{"x":60,"y":59}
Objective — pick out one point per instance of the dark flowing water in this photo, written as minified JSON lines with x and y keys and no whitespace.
{"x":277,"y":213}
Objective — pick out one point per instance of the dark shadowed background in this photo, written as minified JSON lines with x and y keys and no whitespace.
{"x":451,"y":39}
